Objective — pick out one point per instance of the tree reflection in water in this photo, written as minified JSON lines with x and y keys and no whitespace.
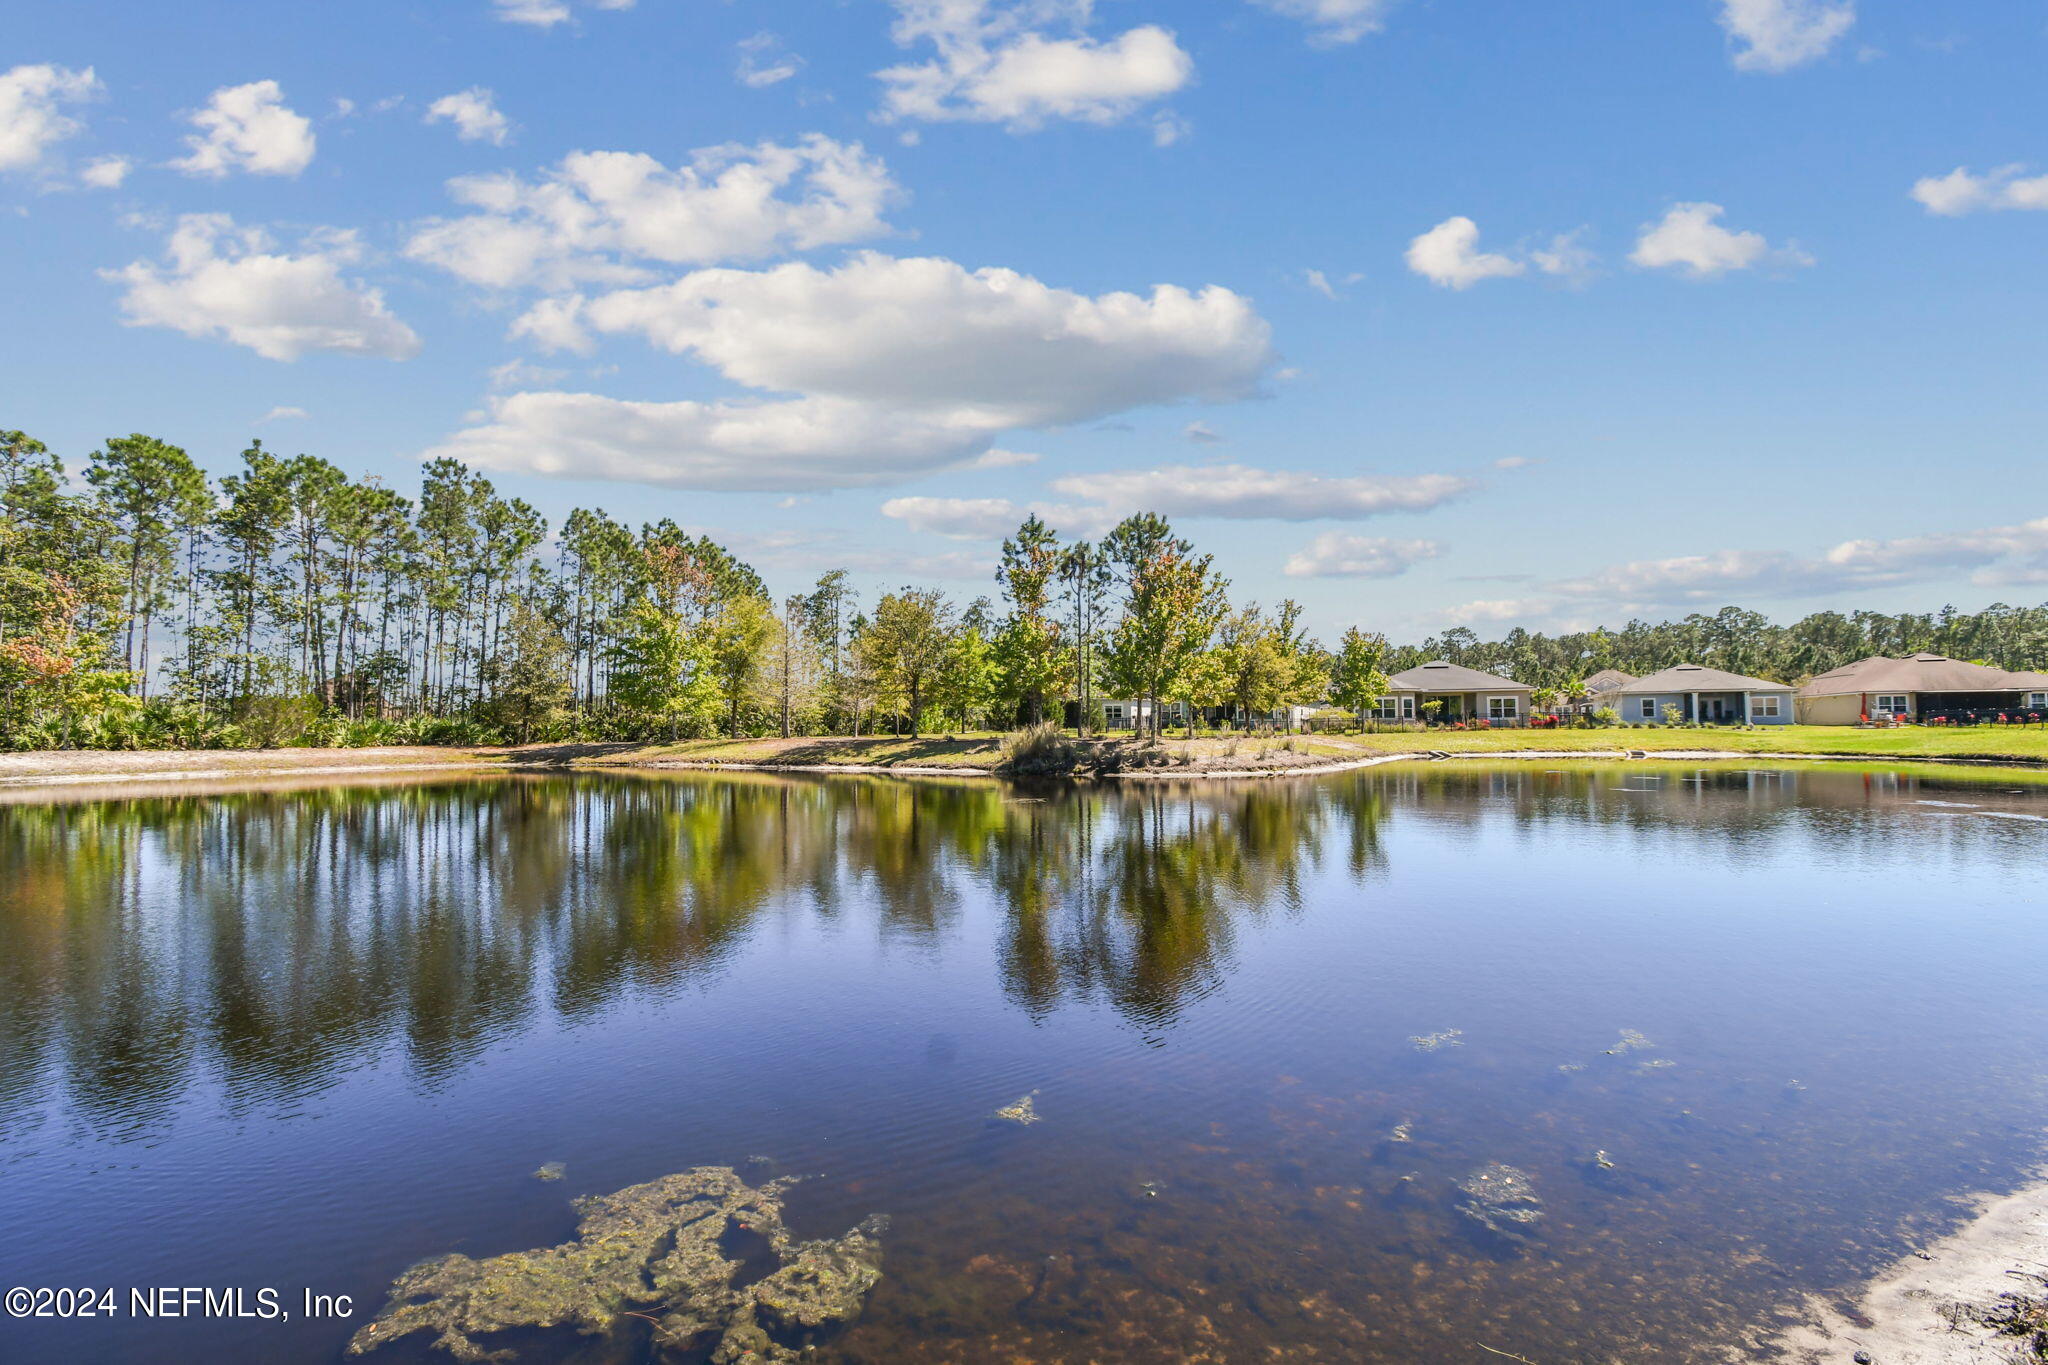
{"x":274,"y":939}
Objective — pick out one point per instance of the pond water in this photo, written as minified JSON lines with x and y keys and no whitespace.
{"x":1744,"y":1033}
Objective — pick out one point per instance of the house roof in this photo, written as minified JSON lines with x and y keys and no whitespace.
{"x":1606,"y":680}
{"x":1447,"y":677}
{"x":1920,"y":673}
{"x":1699,"y":678}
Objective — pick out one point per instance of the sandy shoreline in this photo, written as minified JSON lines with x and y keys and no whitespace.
{"x":1921,"y":1310}
{"x":158,"y":768}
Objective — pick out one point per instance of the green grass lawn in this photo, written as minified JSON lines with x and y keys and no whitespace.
{"x":1989,"y":742}
{"x":983,"y":750}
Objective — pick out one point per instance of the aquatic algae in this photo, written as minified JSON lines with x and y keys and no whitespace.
{"x":656,"y":1253}
{"x":1434,"y":1042}
{"x":552,"y":1170}
{"x":1503,"y":1199}
{"x":1631,"y":1041}
{"x":1023,"y":1111}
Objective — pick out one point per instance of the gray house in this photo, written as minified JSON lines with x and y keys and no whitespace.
{"x":1702,"y":694}
{"x":1463,"y":694}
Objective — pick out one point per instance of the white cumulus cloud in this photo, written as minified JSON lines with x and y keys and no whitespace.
{"x":1334,"y":21}
{"x":993,"y":518}
{"x":1239,"y":491}
{"x":1960,"y":192}
{"x":799,"y":444}
{"x":234,"y":284}
{"x":32,"y":117}
{"x":1691,"y":239}
{"x":898,"y":367}
{"x":248,"y":128}
{"x":1567,"y":256}
{"x":999,"y":61}
{"x":926,"y":334}
{"x":106,"y":172}
{"x":546,"y":13}
{"x":764,"y":61}
{"x":475,"y":114}
{"x":1989,"y":557}
{"x":594,"y":214}
{"x":1778,"y":35}
{"x":1336,"y":555}
{"x":1448,"y":254}
{"x":957,"y":518}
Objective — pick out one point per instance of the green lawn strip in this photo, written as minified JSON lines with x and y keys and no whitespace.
{"x":2009,"y":743}
{"x":984,"y":750}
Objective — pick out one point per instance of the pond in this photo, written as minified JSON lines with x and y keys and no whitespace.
{"x":1582,"y":1064}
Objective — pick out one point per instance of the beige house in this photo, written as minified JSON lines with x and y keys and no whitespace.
{"x":1702,"y":695}
{"x":1464,"y":694}
{"x":1921,"y":688}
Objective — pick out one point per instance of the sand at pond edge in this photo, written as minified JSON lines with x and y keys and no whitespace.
{"x":1903,"y":1304}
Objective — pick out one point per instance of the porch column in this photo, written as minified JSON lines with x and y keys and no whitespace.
{"x":1746,"y":717}
{"x":1695,"y":716}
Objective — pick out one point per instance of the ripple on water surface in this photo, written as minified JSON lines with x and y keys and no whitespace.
{"x":1582,"y":1064}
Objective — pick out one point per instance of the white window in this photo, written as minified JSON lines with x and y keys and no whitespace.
{"x":2037,"y":698}
{"x":1501,"y":708}
{"x":1893,"y":705}
{"x":1649,"y":705}
{"x":1386,"y":708}
{"x":1766,"y":707}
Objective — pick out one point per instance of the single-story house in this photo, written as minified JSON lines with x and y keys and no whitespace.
{"x":1465,"y":694}
{"x":1124,"y":714}
{"x":1704,"y":695}
{"x":1592,"y":694}
{"x":1922,"y":687}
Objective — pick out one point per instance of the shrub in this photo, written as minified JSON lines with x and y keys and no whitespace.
{"x":1043,"y":749}
{"x":275,"y":722}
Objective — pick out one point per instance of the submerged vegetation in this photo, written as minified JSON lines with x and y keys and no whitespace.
{"x":658,"y":1256}
{"x":1501,"y":1199}
{"x":147,"y":605}
{"x":373,"y":952}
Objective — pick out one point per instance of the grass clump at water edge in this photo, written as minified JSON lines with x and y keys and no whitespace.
{"x":1041,"y":750}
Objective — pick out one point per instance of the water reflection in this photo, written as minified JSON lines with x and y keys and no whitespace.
{"x":274,"y":940}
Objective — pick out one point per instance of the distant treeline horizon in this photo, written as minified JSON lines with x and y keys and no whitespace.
{"x":1739,"y":640}
{"x":150,"y":605}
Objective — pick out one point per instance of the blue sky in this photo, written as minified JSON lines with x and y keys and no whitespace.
{"x":1422,"y":313}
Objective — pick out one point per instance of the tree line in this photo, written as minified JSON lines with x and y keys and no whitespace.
{"x":145,"y":604}
{"x":1747,"y":642}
